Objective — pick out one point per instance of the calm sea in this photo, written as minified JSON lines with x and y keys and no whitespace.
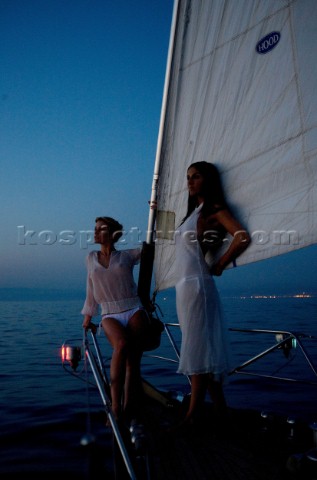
{"x":46,"y":410}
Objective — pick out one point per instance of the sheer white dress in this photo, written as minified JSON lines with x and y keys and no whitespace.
{"x":204,"y":339}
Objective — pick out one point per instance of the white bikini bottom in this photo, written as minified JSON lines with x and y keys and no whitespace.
{"x":123,"y":317}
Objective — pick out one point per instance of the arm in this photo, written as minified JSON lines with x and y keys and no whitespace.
{"x":90,"y":307}
{"x":86,"y":322}
{"x":240,"y":242}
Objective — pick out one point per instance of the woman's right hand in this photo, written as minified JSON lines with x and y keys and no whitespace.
{"x":87,"y":323}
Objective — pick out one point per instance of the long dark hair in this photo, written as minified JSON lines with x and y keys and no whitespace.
{"x":212,"y":191}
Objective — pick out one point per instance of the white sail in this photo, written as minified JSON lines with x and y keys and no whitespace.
{"x":242,"y":93}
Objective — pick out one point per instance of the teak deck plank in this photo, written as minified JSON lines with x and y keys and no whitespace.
{"x":233,"y":448}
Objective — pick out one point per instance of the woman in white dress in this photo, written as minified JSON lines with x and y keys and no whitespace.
{"x":203,"y":354}
{"x":111,"y":288}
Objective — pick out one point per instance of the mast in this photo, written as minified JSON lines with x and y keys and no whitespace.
{"x":152,"y":212}
{"x":147,"y":256}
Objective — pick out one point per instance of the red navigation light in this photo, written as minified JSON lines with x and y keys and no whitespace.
{"x":71,"y":354}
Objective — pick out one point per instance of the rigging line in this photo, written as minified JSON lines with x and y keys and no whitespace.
{"x":305,"y":157}
{"x":286,"y":364}
{"x":88,"y":424}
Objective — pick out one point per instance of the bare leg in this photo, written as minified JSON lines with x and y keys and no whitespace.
{"x":198,"y":392}
{"x":217,"y":396}
{"x":133,"y":383}
{"x":116,"y":335}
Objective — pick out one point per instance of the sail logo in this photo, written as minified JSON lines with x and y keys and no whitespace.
{"x":267,"y":43}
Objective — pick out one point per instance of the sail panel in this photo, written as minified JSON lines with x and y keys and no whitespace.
{"x":251,"y":113}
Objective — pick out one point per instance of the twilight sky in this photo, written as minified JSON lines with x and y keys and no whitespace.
{"x":80,"y":98}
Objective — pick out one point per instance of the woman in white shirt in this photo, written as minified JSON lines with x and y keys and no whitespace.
{"x":111,"y":287}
